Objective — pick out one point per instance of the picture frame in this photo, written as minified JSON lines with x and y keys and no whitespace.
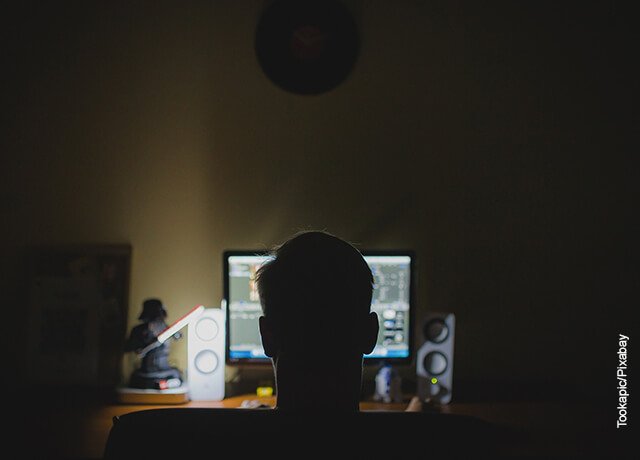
{"x":78,"y":305}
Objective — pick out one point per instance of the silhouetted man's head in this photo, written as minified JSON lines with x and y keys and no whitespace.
{"x":316,"y":298}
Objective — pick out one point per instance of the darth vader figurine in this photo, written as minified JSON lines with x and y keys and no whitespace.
{"x":155,"y":371}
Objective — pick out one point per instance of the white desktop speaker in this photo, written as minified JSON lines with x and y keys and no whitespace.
{"x":205,"y":350}
{"x":434,"y":361}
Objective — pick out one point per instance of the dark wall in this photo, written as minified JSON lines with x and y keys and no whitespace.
{"x":495,"y":139}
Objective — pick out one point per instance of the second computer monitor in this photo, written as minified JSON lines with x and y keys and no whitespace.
{"x":393,"y":301}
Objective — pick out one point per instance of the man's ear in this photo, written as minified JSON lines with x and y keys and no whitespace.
{"x":369,"y":333}
{"x":268,"y":342}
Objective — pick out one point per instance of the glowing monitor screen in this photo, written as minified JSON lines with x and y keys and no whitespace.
{"x":392,"y":301}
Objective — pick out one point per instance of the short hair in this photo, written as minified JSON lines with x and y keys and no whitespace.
{"x":315,"y":274}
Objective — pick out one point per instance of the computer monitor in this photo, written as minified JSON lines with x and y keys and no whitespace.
{"x":393,"y":301}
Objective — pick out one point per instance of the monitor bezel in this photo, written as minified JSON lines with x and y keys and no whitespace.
{"x":367,"y":360}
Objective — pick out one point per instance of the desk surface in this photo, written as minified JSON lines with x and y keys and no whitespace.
{"x":81,"y":430}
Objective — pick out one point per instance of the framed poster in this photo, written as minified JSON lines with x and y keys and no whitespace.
{"x":78,"y":303}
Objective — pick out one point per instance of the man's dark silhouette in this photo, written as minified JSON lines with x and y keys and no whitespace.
{"x":316,"y":298}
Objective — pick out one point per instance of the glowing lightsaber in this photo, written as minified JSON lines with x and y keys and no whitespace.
{"x":171,"y":330}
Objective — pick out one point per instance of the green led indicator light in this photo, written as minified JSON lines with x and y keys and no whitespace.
{"x":434,"y":380}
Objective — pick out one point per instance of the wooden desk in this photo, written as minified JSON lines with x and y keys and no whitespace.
{"x":80,"y":430}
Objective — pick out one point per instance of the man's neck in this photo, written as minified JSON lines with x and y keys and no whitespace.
{"x":313,"y":388}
